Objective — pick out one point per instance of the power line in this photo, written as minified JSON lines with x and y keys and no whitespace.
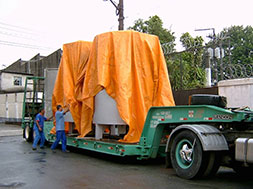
{"x":15,"y":35}
{"x":15,"y":26}
{"x":9,"y":43}
{"x":16,"y":30}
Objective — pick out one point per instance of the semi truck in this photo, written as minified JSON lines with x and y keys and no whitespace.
{"x":195,"y":139}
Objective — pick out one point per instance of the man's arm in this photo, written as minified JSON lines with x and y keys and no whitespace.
{"x":38,"y":125}
{"x":66,"y":110}
{"x":49,"y":118}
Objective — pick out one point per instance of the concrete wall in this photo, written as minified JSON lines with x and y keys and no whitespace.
{"x":239,"y":92}
{"x":11,"y":106}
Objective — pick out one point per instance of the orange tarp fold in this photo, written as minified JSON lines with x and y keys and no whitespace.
{"x":70,"y":77}
{"x":129,"y":65}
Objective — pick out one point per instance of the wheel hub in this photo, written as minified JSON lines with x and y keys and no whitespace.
{"x":186,"y":153}
{"x":27,"y":130}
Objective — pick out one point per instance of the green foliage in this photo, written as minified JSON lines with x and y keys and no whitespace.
{"x":140,"y":26}
{"x":185,"y":69}
{"x":238,"y":40}
{"x":154,"y":25}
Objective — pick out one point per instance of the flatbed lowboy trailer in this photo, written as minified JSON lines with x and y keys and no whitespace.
{"x":195,"y":139}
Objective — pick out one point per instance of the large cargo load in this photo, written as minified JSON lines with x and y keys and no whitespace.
{"x":128,"y":65}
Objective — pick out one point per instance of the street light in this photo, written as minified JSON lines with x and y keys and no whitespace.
{"x":212,"y":37}
{"x":205,"y":29}
{"x":119,"y":12}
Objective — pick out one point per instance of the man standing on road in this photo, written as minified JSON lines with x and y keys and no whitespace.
{"x":60,"y":128}
{"x":38,"y":128}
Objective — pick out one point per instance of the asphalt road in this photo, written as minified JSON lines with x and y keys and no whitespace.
{"x":20,"y":167}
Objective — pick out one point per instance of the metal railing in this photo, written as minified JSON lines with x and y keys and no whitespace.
{"x":233,"y":71}
{"x":220,"y":70}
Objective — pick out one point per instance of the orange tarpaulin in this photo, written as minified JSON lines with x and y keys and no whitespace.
{"x":129,"y":65}
{"x":69,"y":80}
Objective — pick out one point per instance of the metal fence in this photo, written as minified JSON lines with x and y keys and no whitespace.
{"x":231,"y":71}
{"x":220,"y":70}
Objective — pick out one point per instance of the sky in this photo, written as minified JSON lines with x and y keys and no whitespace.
{"x":29,"y":27}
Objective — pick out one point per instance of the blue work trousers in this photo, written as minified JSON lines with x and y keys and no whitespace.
{"x":39,"y":135}
{"x":60,"y":136}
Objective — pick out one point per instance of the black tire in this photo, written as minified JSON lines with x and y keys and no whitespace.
{"x":28,"y":133}
{"x":199,"y":159}
{"x":207,"y":99}
{"x":168,"y":161}
{"x":214,"y":161}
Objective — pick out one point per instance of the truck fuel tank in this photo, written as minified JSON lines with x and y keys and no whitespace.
{"x":244,"y":150}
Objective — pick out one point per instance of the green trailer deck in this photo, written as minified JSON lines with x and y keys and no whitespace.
{"x":106,"y":146}
{"x":160,"y":121}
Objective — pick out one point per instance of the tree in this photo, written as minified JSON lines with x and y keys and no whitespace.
{"x":237,"y":44}
{"x":154,"y":25}
{"x":186,"y":68}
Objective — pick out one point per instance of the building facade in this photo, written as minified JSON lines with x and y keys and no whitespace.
{"x":12,"y":83}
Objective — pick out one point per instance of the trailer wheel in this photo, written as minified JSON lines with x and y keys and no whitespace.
{"x":187,"y":157}
{"x":28,"y":133}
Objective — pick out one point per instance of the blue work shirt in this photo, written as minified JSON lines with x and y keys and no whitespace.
{"x":59,"y":117}
{"x":41,"y":120}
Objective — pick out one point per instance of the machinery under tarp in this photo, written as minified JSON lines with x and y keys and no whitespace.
{"x":129,"y":65}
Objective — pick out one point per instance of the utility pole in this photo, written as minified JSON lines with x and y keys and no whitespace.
{"x":121,"y":15}
{"x":208,"y":66}
{"x":119,"y":12}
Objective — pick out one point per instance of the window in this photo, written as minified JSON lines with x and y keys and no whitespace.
{"x":17,"y":81}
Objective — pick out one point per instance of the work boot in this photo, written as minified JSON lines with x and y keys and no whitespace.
{"x":34,"y":148}
{"x":42,"y":147}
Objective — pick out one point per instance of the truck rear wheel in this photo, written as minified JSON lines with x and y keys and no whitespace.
{"x":187,"y":157}
{"x":28,"y":133}
{"x":214,"y":160}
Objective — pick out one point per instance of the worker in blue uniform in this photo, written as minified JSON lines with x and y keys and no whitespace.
{"x":38,"y":129}
{"x":60,"y":128}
